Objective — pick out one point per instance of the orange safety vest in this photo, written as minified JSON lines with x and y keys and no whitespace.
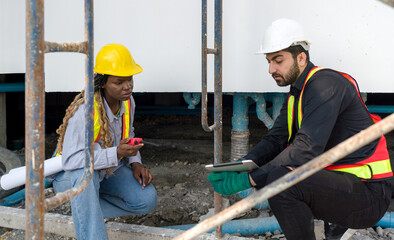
{"x":377,"y":166}
{"x":97,"y":127}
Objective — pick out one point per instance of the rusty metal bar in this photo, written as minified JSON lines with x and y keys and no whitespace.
{"x":388,"y":2}
{"x":218,"y":148}
{"x":212,"y":51}
{"x":35,"y":90}
{"x":341,"y":150}
{"x":217,"y":126}
{"x":79,"y":47}
{"x":205,"y":51}
{"x":89,"y":92}
{"x":35,"y":106}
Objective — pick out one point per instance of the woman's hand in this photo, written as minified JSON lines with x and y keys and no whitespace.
{"x":142,"y":174}
{"x":126,"y":150}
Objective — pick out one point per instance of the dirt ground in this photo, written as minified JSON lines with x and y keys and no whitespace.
{"x":184,"y":193}
{"x":177,"y":166}
{"x":180,"y":178}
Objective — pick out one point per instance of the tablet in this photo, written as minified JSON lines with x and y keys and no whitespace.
{"x":239,"y":166}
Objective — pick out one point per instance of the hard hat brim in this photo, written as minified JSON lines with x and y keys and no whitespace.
{"x":138,"y":69}
{"x":305,"y":44}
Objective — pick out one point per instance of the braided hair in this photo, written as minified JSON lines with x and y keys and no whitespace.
{"x":105,"y":134}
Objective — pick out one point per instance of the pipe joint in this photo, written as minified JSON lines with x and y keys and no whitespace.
{"x":261,"y":110}
{"x":192,"y":99}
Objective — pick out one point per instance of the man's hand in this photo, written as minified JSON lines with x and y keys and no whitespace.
{"x":228,"y":183}
{"x":126,"y":150}
{"x":142,"y":174}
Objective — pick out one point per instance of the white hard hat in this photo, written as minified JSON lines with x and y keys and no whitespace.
{"x":282,"y":34}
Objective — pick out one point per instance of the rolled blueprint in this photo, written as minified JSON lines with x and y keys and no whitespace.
{"x":17,"y":177}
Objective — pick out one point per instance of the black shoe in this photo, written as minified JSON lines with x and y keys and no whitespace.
{"x":333,"y":231}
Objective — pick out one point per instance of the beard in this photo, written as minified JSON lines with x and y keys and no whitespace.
{"x":290,"y":78}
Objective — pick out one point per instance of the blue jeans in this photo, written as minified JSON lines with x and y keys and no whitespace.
{"x":119,"y":195}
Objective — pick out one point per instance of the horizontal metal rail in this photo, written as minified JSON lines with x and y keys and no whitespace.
{"x":87,"y":48}
{"x":36,"y":204}
{"x":79,"y":47}
{"x":341,"y":150}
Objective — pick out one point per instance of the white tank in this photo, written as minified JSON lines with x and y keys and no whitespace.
{"x":353,"y":36}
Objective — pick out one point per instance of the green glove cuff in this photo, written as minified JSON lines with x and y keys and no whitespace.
{"x":228,"y":183}
{"x":244,"y":181}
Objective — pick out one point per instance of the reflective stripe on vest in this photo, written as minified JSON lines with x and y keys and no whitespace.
{"x":125,"y":128}
{"x":290,"y":104}
{"x":370,"y":168}
{"x":126,"y":121}
{"x":377,"y":166}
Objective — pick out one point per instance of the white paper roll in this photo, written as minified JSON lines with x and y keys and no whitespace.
{"x":17,"y":177}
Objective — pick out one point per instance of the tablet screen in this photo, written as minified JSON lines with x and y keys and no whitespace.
{"x":239,"y":166}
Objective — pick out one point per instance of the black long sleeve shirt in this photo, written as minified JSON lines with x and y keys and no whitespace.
{"x":332,"y":112}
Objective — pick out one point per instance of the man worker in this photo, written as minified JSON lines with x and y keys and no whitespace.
{"x":324,"y":108}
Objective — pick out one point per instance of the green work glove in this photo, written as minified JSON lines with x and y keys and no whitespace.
{"x":228,"y":183}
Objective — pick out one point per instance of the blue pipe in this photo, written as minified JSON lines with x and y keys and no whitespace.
{"x":240,"y":119}
{"x":261,"y":109}
{"x":12,"y":87}
{"x":277,"y":102}
{"x":19,"y":196}
{"x":13,"y":199}
{"x":250,"y":191}
{"x":192,"y":99}
{"x":165,"y":110}
{"x":387,"y":220}
{"x":380,"y":109}
{"x":245,"y":227}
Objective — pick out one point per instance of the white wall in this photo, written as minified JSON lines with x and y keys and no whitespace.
{"x":164,"y":37}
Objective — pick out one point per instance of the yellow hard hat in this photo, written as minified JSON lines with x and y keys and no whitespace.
{"x":115,"y":59}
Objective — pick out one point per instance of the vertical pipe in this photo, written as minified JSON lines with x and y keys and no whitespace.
{"x":277,"y":103}
{"x":204,"y":48}
{"x":204,"y":52}
{"x":261,"y":110}
{"x":240,"y":118}
{"x":218,"y":149}
{"x":89,"y":90}
{"x":192,"y":99}
{"x":217,"y":126}
{"x":240,"y":131}
{"x":34,"y":102}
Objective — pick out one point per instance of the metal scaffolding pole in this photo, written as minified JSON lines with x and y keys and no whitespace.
{"x":217,"y":126}
{"x":35,"y":105}
{"x":36,"y":205}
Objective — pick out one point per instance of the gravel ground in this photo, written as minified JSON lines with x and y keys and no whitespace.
{"x":184,"y":193}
